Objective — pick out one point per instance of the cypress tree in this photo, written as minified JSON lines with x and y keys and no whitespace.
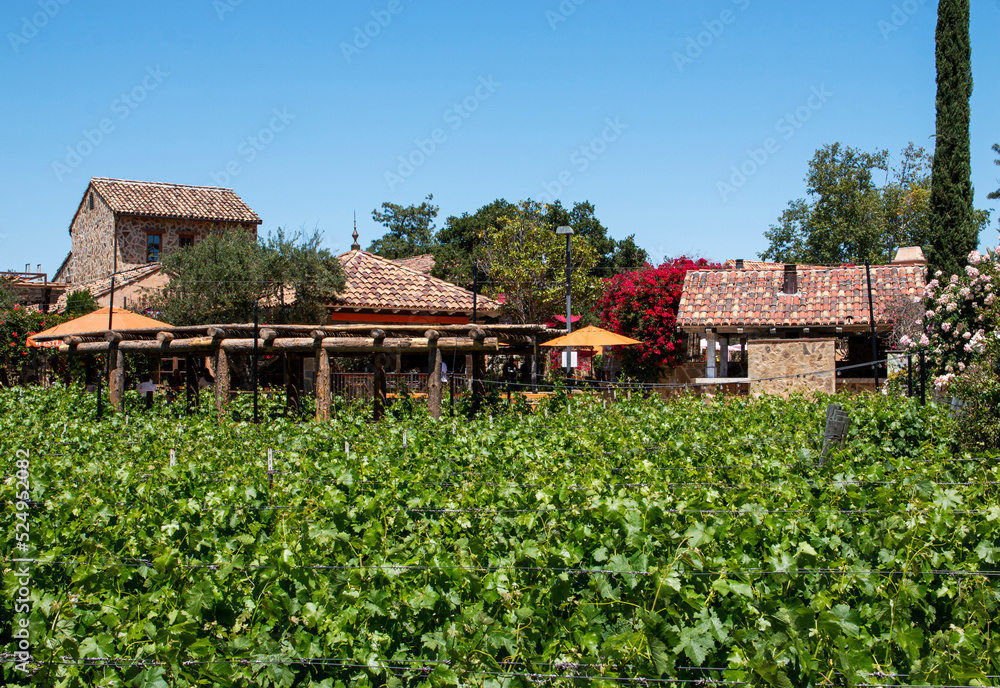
{"x":954,"y":231}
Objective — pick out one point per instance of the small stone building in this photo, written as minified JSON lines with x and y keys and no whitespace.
{"x":139,"y":221}
{"x":793,"y":320}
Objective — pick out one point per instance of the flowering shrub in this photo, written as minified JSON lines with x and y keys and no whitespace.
{"x":961,"y":333}
{"x":643,"y":305}
{"x":16,"y":357}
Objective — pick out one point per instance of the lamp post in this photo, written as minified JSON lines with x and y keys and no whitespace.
{"x":568,"y":232}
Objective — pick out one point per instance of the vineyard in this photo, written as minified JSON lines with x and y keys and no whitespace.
{"x":645,"y":543}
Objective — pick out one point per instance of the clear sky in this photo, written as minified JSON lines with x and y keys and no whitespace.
{"x":313,"y":110}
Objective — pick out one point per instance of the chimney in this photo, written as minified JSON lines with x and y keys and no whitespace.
{"x":791,"y":284}
{"x":739,"y":263}
{"x":909,"y":255}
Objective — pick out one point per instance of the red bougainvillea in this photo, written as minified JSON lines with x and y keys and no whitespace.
{"x":643,"y":305}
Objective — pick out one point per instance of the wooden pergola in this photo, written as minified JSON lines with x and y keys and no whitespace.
{"x":222,"y":342}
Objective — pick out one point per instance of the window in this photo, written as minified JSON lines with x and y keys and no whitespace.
{"x":153,"y":248}
{"x":91,"y":200}
{"x":186,"y":240}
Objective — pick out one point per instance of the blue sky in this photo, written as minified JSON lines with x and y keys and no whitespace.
{"x":314,"y":110}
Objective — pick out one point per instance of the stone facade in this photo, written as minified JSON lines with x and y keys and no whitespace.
{"x":785,"y":360}
{"x":92,"y":233}
{"x":96,"y":225}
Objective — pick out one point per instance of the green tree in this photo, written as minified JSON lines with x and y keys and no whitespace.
{"x":456,"y":242}
{"x":995,"y":194}
{"x":300,"y":262}
{"x":219,"y":279}
{"x":954,"y":230}
{"x":525,"y":261}
{"x":614,"y":255}
{"x":8,"y":295}
{"x":80,"y":303}
{"x":411,"y":229}
{"x":848,"y":216}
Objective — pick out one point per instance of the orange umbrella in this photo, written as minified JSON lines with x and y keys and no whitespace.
{"x":592,"y":337}
{"x":94,"y":322}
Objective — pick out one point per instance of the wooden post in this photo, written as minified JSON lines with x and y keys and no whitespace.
{"x":116,"y":378}
{"x":322,"y":384}
{"x":434,"y":375}
{"x":710,"y":371}
{"x":724,"y":356}
{"x":221,"y":381}
{"x":293,"y":382}
{"x":534,"y":364}
{"x":399,"y":362}
{"x":191,"y":386}
{"x":378,"y":408}
{"x":478,"y":380}
{"x":468,"y":372}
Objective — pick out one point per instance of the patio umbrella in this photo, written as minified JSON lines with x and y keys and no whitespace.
{"x":592,"y":337}
{"x":94,"y":322}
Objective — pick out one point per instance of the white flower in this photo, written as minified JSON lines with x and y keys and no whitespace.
{"x":961,"y":366}
{"x":954,"y":279}
{"x":974,"y":258}
{"x":946,"y":326}
{"x":924,"y":341}
{"x":938,"y":273}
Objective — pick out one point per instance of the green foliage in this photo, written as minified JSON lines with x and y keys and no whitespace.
{"x":219,"y":279}
{"x":613,"y":256}
{"x":8,"y":295}
{"x":849,"y":217}
{"x":637,"y":541}
{"x":81,"y":302}
{"x":954,"y":229}
{"x":457,"y":242}
{"x":20,"y":363}
{"x":411,"y":229}
{"x":994,"y":195}
{"x":526,"y":263}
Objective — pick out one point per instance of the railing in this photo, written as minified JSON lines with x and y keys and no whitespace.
{"x":362,"y":385}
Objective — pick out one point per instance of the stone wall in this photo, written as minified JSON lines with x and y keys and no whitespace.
{"x":92,"y":233}
{"x":786,"y":359}
{"x":133,"y":235}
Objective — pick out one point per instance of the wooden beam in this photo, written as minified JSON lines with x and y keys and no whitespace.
{"x":112,"y":336}
{"x":165,"y":337}
{"x":335,"y":345}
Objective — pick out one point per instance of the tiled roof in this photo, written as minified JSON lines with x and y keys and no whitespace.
{"x":832,"y":296}
{"x":422,"y":263}
{"x":101,"y":286}
{"x":374,"y":282}
{"x":752,"y":265}
{"x":156,"y":199}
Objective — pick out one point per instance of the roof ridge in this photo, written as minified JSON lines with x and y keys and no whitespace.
{"x":149,"y":183}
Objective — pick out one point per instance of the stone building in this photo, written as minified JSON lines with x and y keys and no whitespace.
{"x":139,"y":221}
{"x":797,"y":325}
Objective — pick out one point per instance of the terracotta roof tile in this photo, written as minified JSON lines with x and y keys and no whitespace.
{"x":826,"y":296}
{"x":156,"y":199}
{"x":374,"y":282}
{"x":422,"y":263}
{"x":752,"y":265}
